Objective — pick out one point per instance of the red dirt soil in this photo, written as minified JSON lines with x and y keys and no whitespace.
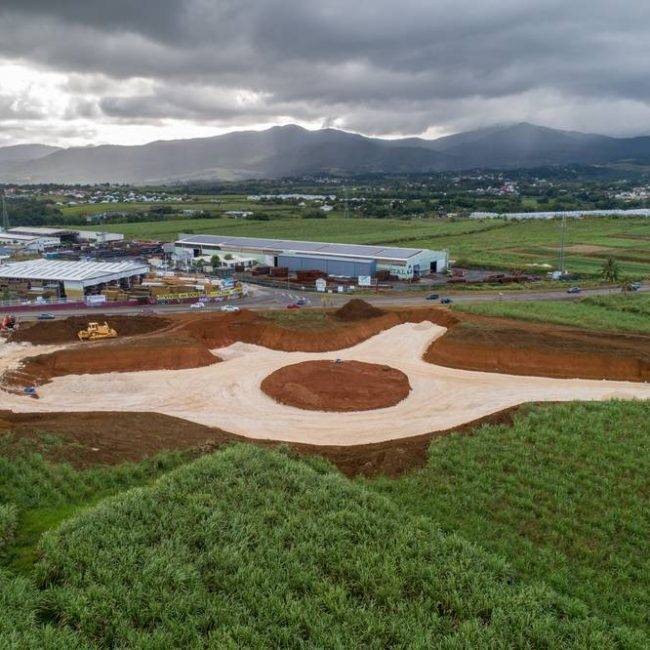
{"x":97,"y":438}
{"x":220,"y":330}
{"x":129,"y":355}
{"x":513,"y":347}
{"x":357,"y":309}
{"x":337,"y":386}
{"x":472,"y":343}
{"x":65,"y":330}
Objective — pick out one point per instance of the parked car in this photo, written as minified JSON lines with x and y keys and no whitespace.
{"x":301,"y":302}
{"x":197,"y":305}
{"x":634,"y":286}
{"x":293,"y":305}
{"x":574,"y":290}
{"x":230,"y":308}
{"x":46,"y":316}
{"x":446,"y":301}
{"x":433,"y":296}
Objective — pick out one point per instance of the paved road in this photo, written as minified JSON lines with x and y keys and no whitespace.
{"x":273,"y":298}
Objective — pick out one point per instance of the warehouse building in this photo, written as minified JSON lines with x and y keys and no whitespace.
{"x":32,"y":243}
{"x":344,"y":260}
{"x":67,"y":235}
{"x":71,"y":280}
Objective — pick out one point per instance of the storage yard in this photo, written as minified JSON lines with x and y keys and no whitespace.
{"x":208,"y":369}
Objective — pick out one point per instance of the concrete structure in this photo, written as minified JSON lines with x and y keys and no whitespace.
{"x":74,"y":279}
{"x":343,"y":259}
{"x":68,"y":234}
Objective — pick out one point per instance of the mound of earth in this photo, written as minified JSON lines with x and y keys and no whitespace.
{"x":357,"y":309}
{"x":337,"y":386}
{"x":518,"y":348}
{"x":65,"y":330}
{"x":151,"y":353}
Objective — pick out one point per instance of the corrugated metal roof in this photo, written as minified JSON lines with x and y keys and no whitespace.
{"x":317,"y":248}
{"x":38,"y":230}
{"x":66,"y":270}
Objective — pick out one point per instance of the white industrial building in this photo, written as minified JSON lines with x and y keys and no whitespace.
{"x":34,"y":243}
{"x":74,"y":279}
{"x":67,"y":233}
{"x":345,"y":260}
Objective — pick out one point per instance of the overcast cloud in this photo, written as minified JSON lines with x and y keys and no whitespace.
{"x":89,"y":71}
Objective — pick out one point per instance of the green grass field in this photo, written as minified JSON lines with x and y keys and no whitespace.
{"x":525,"y":536}
{"x":532,"y":245}
{"x":562,"y":495}
{"x":614,"y":313}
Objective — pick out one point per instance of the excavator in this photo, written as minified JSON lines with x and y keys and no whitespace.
{"x":96,"y":331}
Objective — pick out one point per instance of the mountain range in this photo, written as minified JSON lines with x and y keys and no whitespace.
{"x":294,"y":151}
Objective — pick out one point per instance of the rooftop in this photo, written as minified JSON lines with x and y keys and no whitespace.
{"x":20,"y":236}
{"x":37,"y":230}
{"x":65,"y":270}
{"x":313,"y":248}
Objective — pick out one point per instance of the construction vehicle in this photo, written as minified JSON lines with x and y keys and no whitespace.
{"x":95,"y":331}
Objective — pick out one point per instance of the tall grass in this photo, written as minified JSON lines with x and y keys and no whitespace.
{"x":563,"y":494}
{"x":250,"y":548}
{"x":531,"y":536}
{"x":616,"y":313}
{"x":36,"y":495}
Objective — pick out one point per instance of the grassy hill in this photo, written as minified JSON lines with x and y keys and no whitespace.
{"x":525,"y":536}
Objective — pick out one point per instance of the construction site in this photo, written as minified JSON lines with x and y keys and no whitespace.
{"x":364,"y":386}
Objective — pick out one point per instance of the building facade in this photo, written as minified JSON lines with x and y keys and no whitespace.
{"x":345,"y":260}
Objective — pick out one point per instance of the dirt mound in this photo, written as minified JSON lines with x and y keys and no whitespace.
{"x":528,"y":349}
{"x":337,"y":386}
{"x":151,"y":353}
{"x":65,"y":330}
{"x":218,"y":330}
{"x":357,"y":309}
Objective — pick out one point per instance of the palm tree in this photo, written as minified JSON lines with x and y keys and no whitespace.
{"x":610,"y":272}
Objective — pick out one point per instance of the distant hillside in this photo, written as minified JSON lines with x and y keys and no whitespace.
{"x":22,"y":152}
{"x":292,"y":150}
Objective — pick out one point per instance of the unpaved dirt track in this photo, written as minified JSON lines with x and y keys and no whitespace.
{"x":227,"y":395}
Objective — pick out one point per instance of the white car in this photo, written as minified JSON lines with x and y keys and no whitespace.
{"x":197,"y":305}
{"x":229,"y":308}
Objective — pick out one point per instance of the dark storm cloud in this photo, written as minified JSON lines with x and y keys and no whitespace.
{"x":372,"y":65}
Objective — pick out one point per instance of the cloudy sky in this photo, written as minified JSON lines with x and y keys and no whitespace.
{"x":94,"y":71}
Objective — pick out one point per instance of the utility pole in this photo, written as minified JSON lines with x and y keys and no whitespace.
{"x":346,"y":213}
{"x":562,"y":236}
{"x":5,"y":216}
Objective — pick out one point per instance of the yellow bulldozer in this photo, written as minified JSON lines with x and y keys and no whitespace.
{"x":95,"y":331}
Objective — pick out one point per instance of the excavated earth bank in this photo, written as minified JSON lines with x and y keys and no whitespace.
{"x":65,"y":330}
{"x":129,"y":355}
{"x":94,"y":438}
{"x":517,"y":348}
{"x":337,"y":386}
{"x":471,"y":343}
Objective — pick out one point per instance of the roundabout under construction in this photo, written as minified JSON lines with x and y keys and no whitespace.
{"x":354,"y":377}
